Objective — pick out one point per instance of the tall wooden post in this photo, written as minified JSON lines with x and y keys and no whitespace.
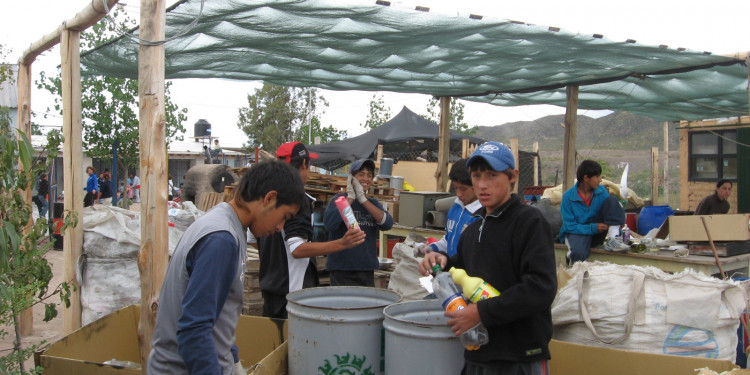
{"x":465,"y":148}
{"x":26,"y":317}
{"x":153,"y":254}
{"x":654,"y":175}
{"x":73,"y":169}
{"x":535,"y":148}
{"x":516,"y":153}
{"x":666,"y":163}
{"x":569,"y":150}
{"x":441,"y":174}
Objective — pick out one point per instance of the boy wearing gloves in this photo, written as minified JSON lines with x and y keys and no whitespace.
{"x":356,"y":266}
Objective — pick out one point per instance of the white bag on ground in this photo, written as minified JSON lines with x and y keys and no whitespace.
{"x":645,"y":309}
{"x":405,"y":278}
{"x":108,"y":268}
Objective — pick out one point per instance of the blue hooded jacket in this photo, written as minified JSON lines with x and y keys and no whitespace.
{"x":576,"y":216}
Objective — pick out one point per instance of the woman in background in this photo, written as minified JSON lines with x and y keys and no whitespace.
{"x":716,"y":203}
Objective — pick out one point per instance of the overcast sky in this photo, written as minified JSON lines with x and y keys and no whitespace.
{"x":720,"y":27}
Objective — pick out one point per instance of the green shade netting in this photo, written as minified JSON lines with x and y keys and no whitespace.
{"x":356,"y":45}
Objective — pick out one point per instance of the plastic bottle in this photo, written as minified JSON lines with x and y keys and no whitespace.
{"x":346,"y":212}
{"x":447,"y":291}
{"x":475,"y":288}
{"x":625,"y":234}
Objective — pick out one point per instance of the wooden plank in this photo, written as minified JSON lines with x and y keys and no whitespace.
{"x":654,"y":175}
{"x":514,"y":150}
{"x":153,"y":254}
{"x":72,"y":169}
{"x":26,"y":317}
{"x":569,"y":149}
{"x":441,"y":174}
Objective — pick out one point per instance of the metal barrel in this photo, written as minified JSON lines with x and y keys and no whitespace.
{"x":418,"y":340}
{"x":337,"y":330}
{"x":386,"y":166}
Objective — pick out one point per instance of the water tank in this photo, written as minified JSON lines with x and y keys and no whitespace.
{"x":202,"y":128}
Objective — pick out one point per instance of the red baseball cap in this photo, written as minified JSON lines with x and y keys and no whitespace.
{"x":294,"y":150}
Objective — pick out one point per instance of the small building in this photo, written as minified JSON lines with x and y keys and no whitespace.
{"x":711,"y":150}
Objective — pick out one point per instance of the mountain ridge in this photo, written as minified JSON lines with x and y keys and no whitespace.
{"x":617,"y":131}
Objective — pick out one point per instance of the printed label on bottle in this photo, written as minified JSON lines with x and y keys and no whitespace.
{"x":483,"y":292}
{"x":454,"y":303}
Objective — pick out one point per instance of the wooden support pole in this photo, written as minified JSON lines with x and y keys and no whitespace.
{"x":654,"y":175}
{"x":514,"y":150}
{"x":441,"y":174}
{"x":536,"y":163}
{"x":73,"y":170}
{"x":569,"y":150}
{"x":88,"y":16}
{"x":26,"y":317}
{"x":666,"y":163}
{"x":153,"y":253}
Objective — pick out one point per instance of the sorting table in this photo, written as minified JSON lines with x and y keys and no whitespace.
{"x":666,"y":261}
{"x":403,"y":231}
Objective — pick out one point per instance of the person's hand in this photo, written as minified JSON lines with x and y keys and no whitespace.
{"x":350,"y":193}
{"x":430,"y":260}
{"x":463,"y":320}
{"x":359,"y":190}
{"x":353,"y":237}
{"x":601,"y":227}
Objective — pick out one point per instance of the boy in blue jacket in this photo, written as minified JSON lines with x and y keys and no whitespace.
{"x":589,"y":214}
{"x":356,"y":266}
{"x":460,"y":214}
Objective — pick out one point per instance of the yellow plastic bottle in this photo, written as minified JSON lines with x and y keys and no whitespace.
{"x":475,"y":288}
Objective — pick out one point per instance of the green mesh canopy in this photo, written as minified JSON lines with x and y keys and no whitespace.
{"x":356,"y":45}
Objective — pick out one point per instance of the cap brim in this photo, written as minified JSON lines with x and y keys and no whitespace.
{"x":312,"y":154}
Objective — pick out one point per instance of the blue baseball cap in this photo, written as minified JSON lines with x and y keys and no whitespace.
{"x":361,"y":163}
{"x":497,"y":155}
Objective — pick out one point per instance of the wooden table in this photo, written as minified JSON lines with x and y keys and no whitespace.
{"x":666,"y":261}
{"x":403,"y":231}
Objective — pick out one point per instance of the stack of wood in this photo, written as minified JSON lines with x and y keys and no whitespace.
{"x":323,"y":187}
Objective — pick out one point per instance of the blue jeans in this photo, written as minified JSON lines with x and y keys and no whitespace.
{"x":45,"y":206}
{"x":580,"y":244}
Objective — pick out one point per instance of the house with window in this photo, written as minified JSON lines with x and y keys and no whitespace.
{"x":712,"y":150}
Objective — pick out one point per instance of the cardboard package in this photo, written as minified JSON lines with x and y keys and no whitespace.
{"x":723,"y":228}
{"x":115,"y":336}
{"x":573,"y":359}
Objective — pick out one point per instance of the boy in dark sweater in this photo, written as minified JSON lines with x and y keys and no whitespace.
{"x":511,"y":248}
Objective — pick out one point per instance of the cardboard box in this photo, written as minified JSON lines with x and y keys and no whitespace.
{"x":723,"y":228}
{"x":575,"y":359}
{"x":116,"y":337}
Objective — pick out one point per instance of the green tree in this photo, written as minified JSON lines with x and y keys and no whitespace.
{"x":327,"y":134}
{"x":278,"y":114}
{"x":110,"y":105}
{"x":24,"y":273}
{"x":457,"y":122}
{"x":379,"y":113}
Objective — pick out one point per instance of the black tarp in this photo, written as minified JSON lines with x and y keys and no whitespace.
{"x":405,"y":131}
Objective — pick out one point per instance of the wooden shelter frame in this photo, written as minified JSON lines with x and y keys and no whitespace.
{"x":153,"y":256}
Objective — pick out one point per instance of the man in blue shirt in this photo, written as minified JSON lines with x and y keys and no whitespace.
{"x":589,"y":214}
{"x":201,"y":298}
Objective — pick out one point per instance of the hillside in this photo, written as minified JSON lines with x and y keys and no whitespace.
{"x":617,"y":131}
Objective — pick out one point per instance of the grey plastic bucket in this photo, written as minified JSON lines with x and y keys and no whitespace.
{"x":337,"y":330}
{"x":386,"y":166}
{"x":418,"y":340}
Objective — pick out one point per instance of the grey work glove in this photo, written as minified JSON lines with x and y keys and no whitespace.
{"x":359,"y":190}
{"x":350,"y":193}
